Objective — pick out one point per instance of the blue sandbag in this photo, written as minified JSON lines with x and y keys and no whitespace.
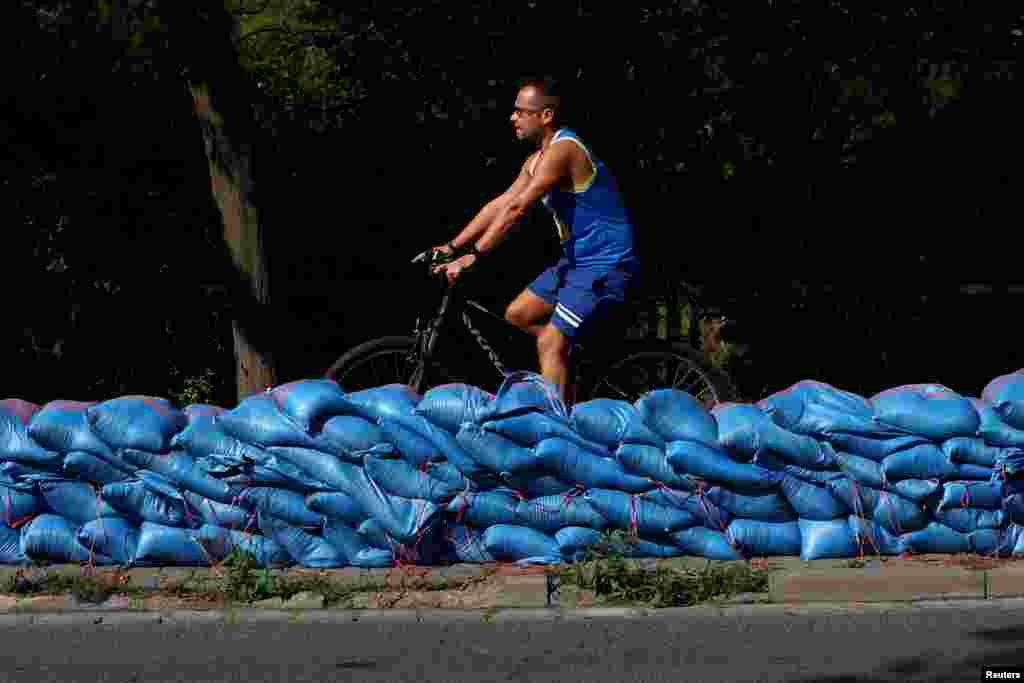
{"x":371,"y":532}
{"x":536,"y":484}
{"x":15,"y":442}
{"x":973,"y":472}
{"x":570,"y":462}
{"x":691,"y":457}
{"x":335,"y":505}
{"x":994,"y":542}
{"x":257,"y":420}
{"x":971,"y":450}
{"x":892,"y":511}
{"x":19,"y":503}
{"x":811,"y":501}
{"x":551,"y":513}
{"x":445,"y":442}
{"x":512,"y":543}
{"x":779,"y":467}
{"x":575,"y":541}
{"x":651,"y":462}
{"x":115,"y":537}
{"x":399,"y":478}
{"x":52,"y":538}
{"x":160,"y":545}
{"x":75,"y":500}
{"x":873,"y":539}
{"x":62,"y":426}
{"x":1006,"y":396}
{"x":224,"y":515}
{"x":675,"y":415}
{"x":197,"y":410}
{"x":449,"y":405}
{"x":409,"y":445}
{"x":817,"y":409}
{"x":285,"y":505}
{"x":826,"y":540}
{"x":770,"y":507}
{"x":309,"y":403}
{"x":351,"y":437}
{"x":387,"y":402}
{"x":612,"y":423}
{"x":180,"y":468}
{"x":303,"y":547}
{"x":744,"y":431}
{"x":495,"y":452}
{"x":10,"y":546}
{"x":524,"y":392}
{"x":405,"y":519}
{"x":465,"y":544}
{"x":144,"y":422}
{"x":278,"y":473}
{"x":632,"y":513}
{"x":926,"y":461}
{"x":987,"y":495}
{"x":873,"y":448}
{"x":485,"y":509}
{"x":765,"y":539}
{"x":93,"y":469}
{"x":917,"y":490}
{"x":319,"y":466}
{"x":699,"y":504}
{"x":529,"y":429}
{"x":993,"y":430}
{"x":935,"y":538}
{"x":204,"y":437}
{"x":219,"y":543}
{"x":929,"y":410}
{"x":354,"y":548}
{"x":703,"y":542}
{"x":966,"y":520}
{"x":17,"y":471}
{"x":1013,"y":508}
{"x":864,"y":470}
{"x":134,"y":499}
{"x":449,"y":474}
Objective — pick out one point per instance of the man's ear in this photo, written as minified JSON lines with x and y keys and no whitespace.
{"x":548,"y":115}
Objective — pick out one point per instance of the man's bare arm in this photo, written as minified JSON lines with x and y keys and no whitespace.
{"x":554,"y":167}
{"x":485,"y":217}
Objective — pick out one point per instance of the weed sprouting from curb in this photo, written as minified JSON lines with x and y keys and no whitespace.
{"x":605,"y":571}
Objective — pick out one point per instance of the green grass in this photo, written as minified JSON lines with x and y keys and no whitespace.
{"x":606,"y":572}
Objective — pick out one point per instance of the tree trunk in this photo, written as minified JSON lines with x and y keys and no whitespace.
{"x":217,"y":85}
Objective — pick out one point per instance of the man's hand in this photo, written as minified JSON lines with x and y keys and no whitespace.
{"x":455,"y":268}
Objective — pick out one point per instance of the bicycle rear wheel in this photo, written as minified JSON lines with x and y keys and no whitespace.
{"x":667,"y":365}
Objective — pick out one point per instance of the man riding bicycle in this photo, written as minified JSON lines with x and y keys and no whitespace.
{"x":599,"y":260}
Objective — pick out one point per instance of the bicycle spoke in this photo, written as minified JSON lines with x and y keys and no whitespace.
{"x":617,"y":389}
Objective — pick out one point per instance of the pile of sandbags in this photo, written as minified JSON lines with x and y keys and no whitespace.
{"x":308,"y":474}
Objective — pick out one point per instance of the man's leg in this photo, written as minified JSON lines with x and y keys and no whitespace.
{"x":553,"y":350}
{"x":529,"y":312}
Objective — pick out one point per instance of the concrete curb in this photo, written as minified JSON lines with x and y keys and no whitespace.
{"x":792,"y":582}
{"x":185,"y":618}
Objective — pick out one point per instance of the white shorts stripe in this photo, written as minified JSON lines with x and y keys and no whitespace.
{"x":566,"y":315}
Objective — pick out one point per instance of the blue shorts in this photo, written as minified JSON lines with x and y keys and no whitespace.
{"x":583,"y":296}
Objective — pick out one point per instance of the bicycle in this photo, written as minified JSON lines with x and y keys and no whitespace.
{"x":623,"y":369}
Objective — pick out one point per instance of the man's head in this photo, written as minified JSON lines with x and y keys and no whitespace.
{"x":537,"y":108}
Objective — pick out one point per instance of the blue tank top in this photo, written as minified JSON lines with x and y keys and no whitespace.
{"x":592,"y":222}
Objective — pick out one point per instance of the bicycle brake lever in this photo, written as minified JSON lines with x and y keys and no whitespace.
{"x":422,"y":256}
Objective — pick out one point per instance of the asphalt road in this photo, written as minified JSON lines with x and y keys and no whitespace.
{"x":950,"y":642}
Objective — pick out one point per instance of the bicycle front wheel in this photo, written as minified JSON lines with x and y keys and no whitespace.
{"x":387,"y":360}
{"x":661,"y":366}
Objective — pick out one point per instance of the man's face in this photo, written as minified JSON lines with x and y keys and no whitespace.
{"x":530,"y":115}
